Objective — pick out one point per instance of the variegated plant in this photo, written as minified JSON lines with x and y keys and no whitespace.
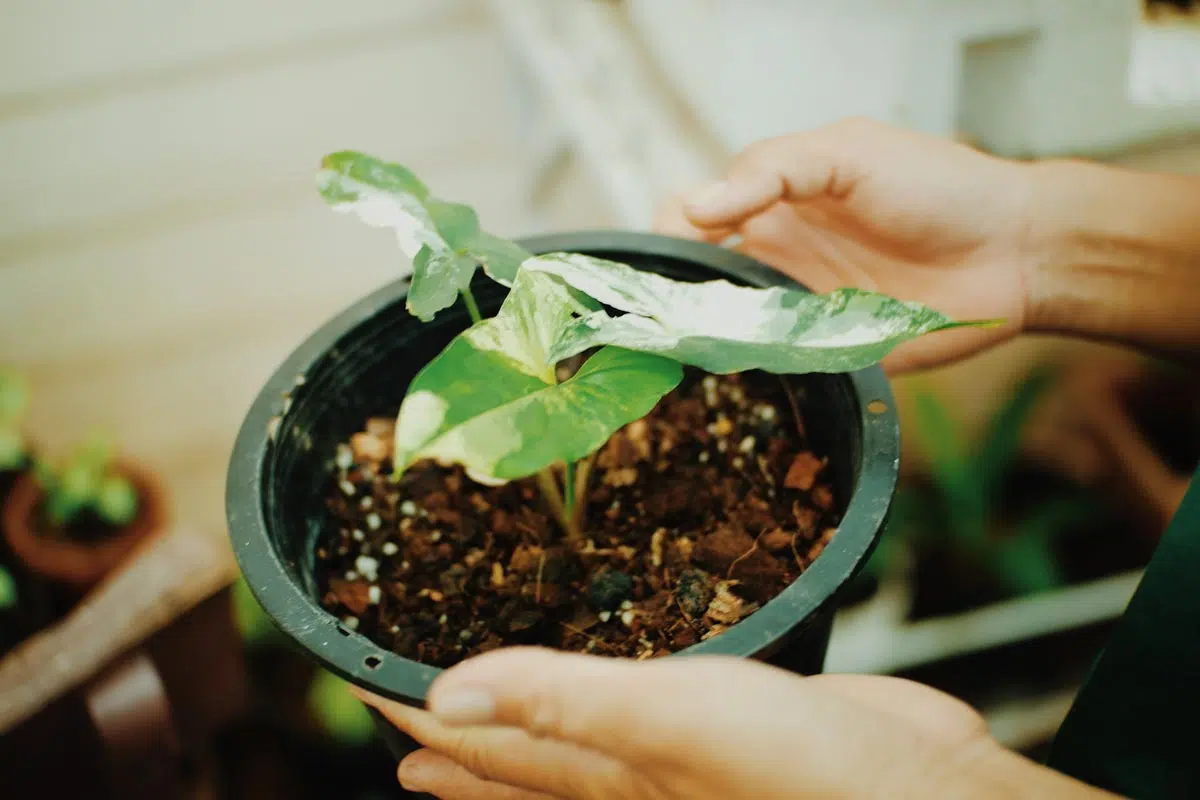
{"x":492,"y":402}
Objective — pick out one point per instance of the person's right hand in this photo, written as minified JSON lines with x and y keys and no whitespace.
{"x":535,"y":724}
{"x":862,"y":204}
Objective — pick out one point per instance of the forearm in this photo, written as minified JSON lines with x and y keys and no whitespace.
{"x":995,"y":773}
{"x":1116,"y":256}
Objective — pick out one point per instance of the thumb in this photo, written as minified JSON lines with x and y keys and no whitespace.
{"x":589,"y":701}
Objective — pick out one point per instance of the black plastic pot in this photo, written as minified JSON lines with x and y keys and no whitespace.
{"x":360,"y":364}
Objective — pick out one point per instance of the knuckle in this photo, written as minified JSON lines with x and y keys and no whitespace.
{"x":467,"y":752}
{"x":765,"y":151}
{"x":546,"y":714}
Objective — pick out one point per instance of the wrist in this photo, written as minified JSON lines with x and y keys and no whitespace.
{"x":992,"y":772}
{"x":1111,"y":250}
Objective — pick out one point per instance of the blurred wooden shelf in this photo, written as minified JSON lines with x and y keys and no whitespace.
{"x":167,"y":577}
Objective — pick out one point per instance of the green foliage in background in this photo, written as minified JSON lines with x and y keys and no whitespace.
{"x":86,"y":481}
{"x":340,"y":713}
{"x":14,"y":402}
{"x":252,"y":622}
{"x":8,"y":590}
{"x":963,"y":509}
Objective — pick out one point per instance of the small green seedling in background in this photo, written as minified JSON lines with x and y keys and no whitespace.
{"x":87,"y":482}
{"x":968,"y":499}
{"x":8,"y":590}
{"x":492,"y":401}
{"x":14,"y":402}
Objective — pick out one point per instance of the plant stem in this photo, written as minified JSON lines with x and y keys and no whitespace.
{"x":583,"y":472}
{"x":472,"y":307}
{"x":549,"y":486}
{"x":569,"y":489}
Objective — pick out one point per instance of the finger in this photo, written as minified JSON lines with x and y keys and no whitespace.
{"x":435,"y":774}
{"x":668,"y":715}
{"x":671,"y":221}
{"x":511,"y":756}
{"x":795,"y":168}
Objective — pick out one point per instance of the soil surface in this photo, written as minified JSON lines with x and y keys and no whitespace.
{"x":696,"y":516}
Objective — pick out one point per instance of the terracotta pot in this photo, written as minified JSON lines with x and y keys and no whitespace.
{"x":75,"y":564}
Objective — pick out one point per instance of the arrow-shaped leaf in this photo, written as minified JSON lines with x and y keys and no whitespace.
{"x":490,"y":400}
{"x":443,"y":239}
{"x":723,"y":328}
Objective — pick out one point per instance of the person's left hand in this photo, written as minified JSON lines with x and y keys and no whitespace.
{"x":521,"y":724}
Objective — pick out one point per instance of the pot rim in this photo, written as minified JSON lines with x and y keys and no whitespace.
{"x":356,"y":658}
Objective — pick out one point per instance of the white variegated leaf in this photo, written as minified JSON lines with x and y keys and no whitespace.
{"x":382,"y":195}
{"x":724,"y":328}
{"x":441,"y":238}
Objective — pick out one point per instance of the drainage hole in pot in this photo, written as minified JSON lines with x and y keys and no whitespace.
{"x":372,"y":662}
{"x":343,"y":630}
{"x":877,"y":407}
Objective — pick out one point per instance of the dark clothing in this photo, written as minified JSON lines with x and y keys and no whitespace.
{"x":1135,"y":726}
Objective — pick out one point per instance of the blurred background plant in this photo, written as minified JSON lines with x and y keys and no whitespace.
{"x":14,"y":403}
{"x":336,"y":712}
{"x":86,"y":484}
{"x":963,"y":506}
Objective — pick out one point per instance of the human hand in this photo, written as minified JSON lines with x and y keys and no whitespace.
{"x":523,"y":724}
{"x":859,"y":203}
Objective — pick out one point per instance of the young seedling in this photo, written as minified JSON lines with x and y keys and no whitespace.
{"x":492,"y":402}
{"x":8,"y":590}
{"x":86,"y":482}
{"x":14,"y":401}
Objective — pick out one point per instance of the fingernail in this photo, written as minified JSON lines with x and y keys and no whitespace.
{"x":464,"y":707}
{"x":709,"y":196}
{"x":412,"y":776}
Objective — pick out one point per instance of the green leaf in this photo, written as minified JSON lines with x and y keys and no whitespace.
{"x":723,"y":328}
{"x":359,"y":169}
{"x":443,"y":239}
{"x":12,"y":449}
{"x":490,"y":400}
{"x":966,"y":506}
{"x":457,"y":224}
{"x":8,"y":590}
{"x":382,"y":195}
{"x":500,"y":257}
{"x":1002,"y":440}
{"x":438,"y":278}
{"x":1025,"y":565}
{"x":14,"y":397}
{"x":116,"y":501}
